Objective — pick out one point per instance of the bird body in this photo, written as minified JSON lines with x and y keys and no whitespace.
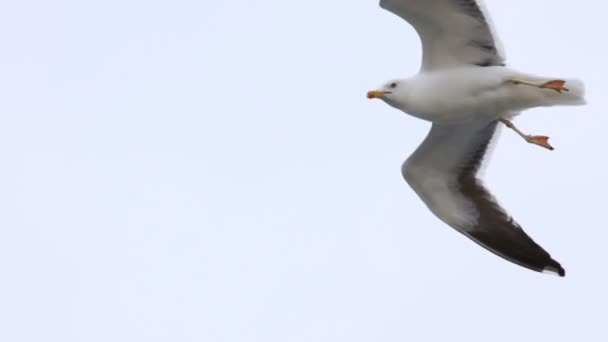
{"x":472,"y":92}
{"x":465,"y":90}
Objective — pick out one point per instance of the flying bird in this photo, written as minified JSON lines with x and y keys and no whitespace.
{"x":465,"y":90}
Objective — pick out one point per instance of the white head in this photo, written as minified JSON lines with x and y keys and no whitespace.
{"x":393,"y":92}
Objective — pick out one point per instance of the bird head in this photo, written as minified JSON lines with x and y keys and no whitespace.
{"x":392,"y":92}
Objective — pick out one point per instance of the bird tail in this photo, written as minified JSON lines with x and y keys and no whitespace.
{"x":575,"y":96}
{"x":558,"y":91}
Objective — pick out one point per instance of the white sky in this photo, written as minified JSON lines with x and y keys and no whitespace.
{"x":211,"y":171}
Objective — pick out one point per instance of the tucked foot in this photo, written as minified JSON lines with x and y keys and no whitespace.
{"x":557,"y":85}
{"x":539,"y":140}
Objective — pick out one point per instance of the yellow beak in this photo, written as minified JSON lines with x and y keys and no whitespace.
{"x":376,"y":94}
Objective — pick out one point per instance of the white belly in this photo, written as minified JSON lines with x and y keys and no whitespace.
{"x":462,"y":94}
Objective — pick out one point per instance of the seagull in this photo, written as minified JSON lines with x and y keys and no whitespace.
{"x":466,"y":91}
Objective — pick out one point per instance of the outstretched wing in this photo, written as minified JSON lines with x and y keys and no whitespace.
{"x":443,"y":172}
{"x":453,"y":32}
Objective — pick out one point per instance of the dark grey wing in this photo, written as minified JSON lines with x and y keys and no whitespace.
{"x":443,"y":172}
{"x":453,"y":32}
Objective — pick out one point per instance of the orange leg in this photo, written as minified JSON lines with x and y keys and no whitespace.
{"x":557,"y":85}
{"x":539,"y":140}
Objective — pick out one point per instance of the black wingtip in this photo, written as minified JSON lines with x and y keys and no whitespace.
{"x":555,"y":268}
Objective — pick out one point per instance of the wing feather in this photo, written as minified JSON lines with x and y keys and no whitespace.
{"x":453,"y":32}
{"x":443,"y":172}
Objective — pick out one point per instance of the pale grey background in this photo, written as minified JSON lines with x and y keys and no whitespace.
{"x":211,"y":171}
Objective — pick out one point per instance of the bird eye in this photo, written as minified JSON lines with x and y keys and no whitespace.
{"x":393,"y":85}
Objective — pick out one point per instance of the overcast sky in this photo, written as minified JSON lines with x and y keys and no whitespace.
{"x":212,"y":171}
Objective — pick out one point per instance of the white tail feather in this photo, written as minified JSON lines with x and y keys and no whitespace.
{"x":534,"y":96}
{"x":575,"y":94}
